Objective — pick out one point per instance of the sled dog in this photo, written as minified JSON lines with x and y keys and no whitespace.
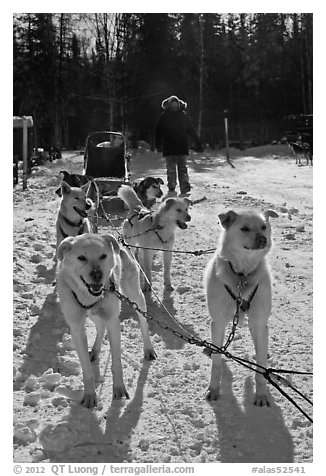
{"x":92,"y":193}
{"x":240,"y":264}
{"x":149,"y":190}
{"x":90,"y":268}
{"x":72,"y":217}
{"x":153,"y":230}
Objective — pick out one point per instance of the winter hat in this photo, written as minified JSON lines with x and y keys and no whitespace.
{"x":167,"y":102}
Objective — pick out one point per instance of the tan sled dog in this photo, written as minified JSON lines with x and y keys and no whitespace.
{"x":154,"y":230}
{"x":240,"y":262}
{"x":90,"y":268}
{"x":72,"y":216}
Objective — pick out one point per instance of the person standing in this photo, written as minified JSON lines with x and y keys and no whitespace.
{"x":172,"y":130}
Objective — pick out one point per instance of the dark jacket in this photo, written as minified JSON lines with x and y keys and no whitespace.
{"x":171,"y":133}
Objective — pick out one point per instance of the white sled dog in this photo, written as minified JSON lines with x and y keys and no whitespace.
{"x":72,"y":217}
{"x":245,"y":242}
{"x":154,"y":230}
{"x":90,"y":268}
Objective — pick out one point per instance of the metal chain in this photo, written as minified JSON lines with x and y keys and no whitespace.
{"x":268,"y":373}
{"x":270,"y":376}
{"x":239,"y":300}
{"x":204,"y":343}
{"x":190,"y":340}
{"x":122,"y":239}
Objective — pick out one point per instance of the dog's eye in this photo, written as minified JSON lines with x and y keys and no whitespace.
{"x":103,"y":256}
{"x":263,"y":227}
{"x":179,"y":210}
{"x":245,"y":229}
{"x":81,"y":258}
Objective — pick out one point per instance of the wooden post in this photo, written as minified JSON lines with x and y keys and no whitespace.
{"x":25,"y":152}
{"x":227,"y":138}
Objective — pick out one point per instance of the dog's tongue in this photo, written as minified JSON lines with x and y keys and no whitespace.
{"x":182,"y":225}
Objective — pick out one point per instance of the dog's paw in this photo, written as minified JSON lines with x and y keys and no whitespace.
{"x":212,"y":394}
{"x":120,"y":392}
{"x":262,"y":401}
{"x":150,"y":354}
{"x":89,"y":400}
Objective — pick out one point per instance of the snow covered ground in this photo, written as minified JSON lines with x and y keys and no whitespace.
{"x":167,"y":419}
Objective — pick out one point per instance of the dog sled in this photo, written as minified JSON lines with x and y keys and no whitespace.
{"x":106,"y":160}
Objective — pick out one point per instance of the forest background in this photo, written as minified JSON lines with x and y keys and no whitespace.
{"x":80,"y":72}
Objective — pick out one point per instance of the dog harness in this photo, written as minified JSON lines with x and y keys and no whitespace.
{"x":111,"y":288}
{"x":158,"y":227}
{"x":159,"y":236}
{"x":244,"y":304}
{"x":79,"y":225}
{"x":140,"y":216}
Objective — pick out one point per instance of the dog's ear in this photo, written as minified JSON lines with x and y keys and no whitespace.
{"x":65,"y":175}
{"x":141,"y":186}
{"x":64,"y":247}
{"x":270,"y":213}
{"x":169,"y":203}
{"x":65,"y":188}
{"x":110,"y":240}
{"x":227,"y":219}
{"x":160,"y":181}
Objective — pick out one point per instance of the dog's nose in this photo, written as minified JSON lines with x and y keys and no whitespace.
{"x":188,"y":217}
{"x":260,"y":241}
{"x":96,"y":274}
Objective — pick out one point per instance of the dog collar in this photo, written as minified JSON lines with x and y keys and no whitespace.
{"x":240,"y":275}
{"x":65,"y":235}
{"x":111,"y":289}
{"x":244,"y":304}
{"x":71,"y":223}
{"x":82,"y":305}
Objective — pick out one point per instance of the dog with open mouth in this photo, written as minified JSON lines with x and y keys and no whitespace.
{"x":72,"y":219}
{"x":239,"y":270}
{"x":90,"y":268}
{"x":92,"y":194}
{"x":154,"y":230}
